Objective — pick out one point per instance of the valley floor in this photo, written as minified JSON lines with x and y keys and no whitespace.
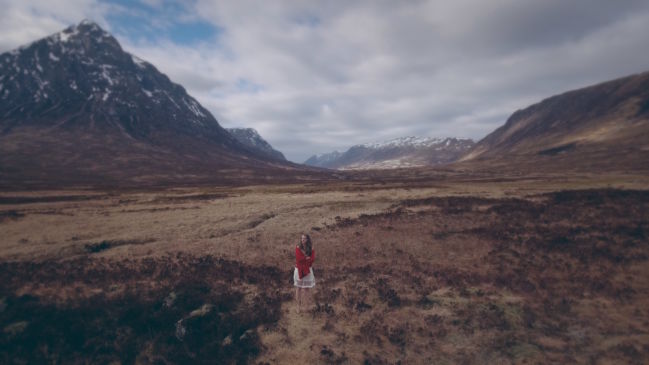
{"x":523,"y":269}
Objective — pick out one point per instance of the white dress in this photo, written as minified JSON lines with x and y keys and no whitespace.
{"x":306,"y":282}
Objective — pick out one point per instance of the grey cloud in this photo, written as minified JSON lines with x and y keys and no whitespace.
{"x":24,"y":21}
{"x":337,"y":73}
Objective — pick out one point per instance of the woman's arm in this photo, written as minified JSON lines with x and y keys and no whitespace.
{"x":310,"y":259}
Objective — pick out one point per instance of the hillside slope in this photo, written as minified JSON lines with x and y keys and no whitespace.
{"x":605,"y":126}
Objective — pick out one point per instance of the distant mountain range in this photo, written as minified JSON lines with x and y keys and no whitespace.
{"x":76,"y":109}
{"x":601,"y":127}
{"x":251,"y":138}
{"x":396,"y":153}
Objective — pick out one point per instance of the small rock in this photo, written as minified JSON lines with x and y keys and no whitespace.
{"x":202,"y":311}
{"x":227,"y":341}
{"x":170,"y":300}
{"x":181,"y":331}
{"x":15,"y":328}
{"x":247,"y":335}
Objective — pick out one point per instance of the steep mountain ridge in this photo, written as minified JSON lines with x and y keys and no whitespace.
{"x":251,"y":138}
{"x":323,"y":159}
{"x":600,"y":126}
{"x":83,"y":70}
{"x":76,"y":109}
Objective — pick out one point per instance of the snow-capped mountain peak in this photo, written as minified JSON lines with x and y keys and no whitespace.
{"x":412,"y":142}
{"x":395,"y":153}
{"x":328,"y":155}
{"x":81,"y":37}
{"x":85,"y":64}
{"x":76,"y":103}
{"x":390,"y":143}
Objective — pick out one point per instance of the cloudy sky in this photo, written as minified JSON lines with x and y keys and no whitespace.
{"x":314,"y":76}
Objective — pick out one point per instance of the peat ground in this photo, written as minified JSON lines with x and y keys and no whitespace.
{"x":404,"y":276}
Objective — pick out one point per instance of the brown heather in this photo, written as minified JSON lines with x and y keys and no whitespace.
{"x":453,"y":269}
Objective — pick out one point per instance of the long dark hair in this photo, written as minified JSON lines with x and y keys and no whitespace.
{"x":308,"y":246}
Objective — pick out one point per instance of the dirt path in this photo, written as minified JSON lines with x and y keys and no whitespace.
{"x":292,"y":339}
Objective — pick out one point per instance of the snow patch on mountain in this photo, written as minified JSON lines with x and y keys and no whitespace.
{"x":64,"y":36}
{"x":138,"y":61}
{"x":105,"y":73}
{"x":403,"y":141}
{"x":411,"y":141}
{"x":251,"y":138}
{"x":193,"y":106}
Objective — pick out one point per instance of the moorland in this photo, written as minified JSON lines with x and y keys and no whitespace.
{"x":412,"y":267}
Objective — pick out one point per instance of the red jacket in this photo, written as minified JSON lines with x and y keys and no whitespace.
{"x":303,"y":262}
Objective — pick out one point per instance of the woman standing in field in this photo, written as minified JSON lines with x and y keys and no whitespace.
{"x":303,"y":274}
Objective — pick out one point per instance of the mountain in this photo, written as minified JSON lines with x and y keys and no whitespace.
{"x":323,"y":160}
{"x":251,"y":138}
{"x":605,"y":126}
{"x":77,"y":109}
{"x":396,"y":153}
